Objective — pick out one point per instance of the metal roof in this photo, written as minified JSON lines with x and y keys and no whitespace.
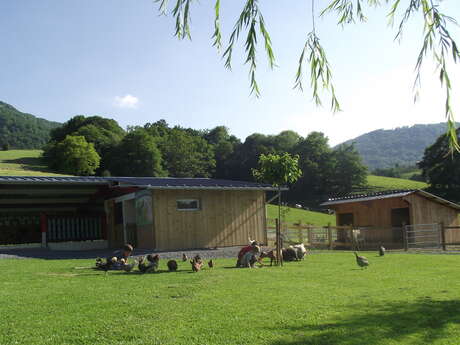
{"x":367,"y":197}
{"x":388,"y":194}
{"x":142,"y":182}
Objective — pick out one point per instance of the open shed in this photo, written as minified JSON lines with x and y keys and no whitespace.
{"x":386,"y":213}
{"x":152,"y":213}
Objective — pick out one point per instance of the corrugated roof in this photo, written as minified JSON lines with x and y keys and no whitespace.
{"x":53,"y":180}
{"x":367,"y":197}
{"x":388,"y":194}
{"x":144,"y":182}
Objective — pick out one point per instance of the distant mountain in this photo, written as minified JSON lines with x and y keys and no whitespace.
{"x":405,"y":146}
{"x":21,"y":130}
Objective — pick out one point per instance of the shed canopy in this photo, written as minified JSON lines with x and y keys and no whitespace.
{"x":389,"y":194}
{"x":141,"y":182}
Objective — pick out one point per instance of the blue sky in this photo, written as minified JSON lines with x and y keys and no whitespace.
{"x":119,"y":59}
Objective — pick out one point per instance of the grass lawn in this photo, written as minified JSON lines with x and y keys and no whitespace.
{"x":381,"y":183}
{"x":294,"y":215}
{"x":23,"y":163}
{"x":326,"y":299}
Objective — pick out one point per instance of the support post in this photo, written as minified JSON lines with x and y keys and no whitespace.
{"x":350,"y":236}
{"x":405,"y":237}
{"x":442,"y":228}
{"x":300,"y":232}
{"x":278,"y":242}
{"x":310,"y":236}
{"x":43,"y":229}
{"x":329,"y":235}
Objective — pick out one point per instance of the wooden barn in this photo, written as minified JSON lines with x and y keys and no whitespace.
{"x":382,"y":216}
{"x":152,"y":213}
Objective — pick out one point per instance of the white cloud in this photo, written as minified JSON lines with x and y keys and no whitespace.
{"x":127,"y":101}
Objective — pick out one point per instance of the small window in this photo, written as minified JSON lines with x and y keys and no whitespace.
{"x":188,"y":204}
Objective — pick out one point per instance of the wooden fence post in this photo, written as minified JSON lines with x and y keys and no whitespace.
{"x":329,"y":235}
{"x":443,"y":235}
{"x":300,"y":232}
{"x":406,"y":244}
{"x":309,"y":235}
{"x":350,"y":236}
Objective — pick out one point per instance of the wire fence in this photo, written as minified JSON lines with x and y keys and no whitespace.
{"x":410,"y":237}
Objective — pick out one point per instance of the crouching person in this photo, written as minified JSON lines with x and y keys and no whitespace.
{"x":249,"y":258}
{"x":117,"y":261}
{"x":243,"y":251}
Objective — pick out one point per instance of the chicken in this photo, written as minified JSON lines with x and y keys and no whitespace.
{"x":361,"y":261}
{"x":172,"y":265}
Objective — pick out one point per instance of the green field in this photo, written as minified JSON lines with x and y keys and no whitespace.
{"x":326,"y":299}
{"x":295,"y":215}
{"x":23,"y":163}
{"x":381,"y":183}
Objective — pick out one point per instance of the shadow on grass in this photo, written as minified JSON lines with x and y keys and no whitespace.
{"x":425,"y":319}
{"x":28,"y":163}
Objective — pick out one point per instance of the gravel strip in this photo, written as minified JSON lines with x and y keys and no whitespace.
{"x":40,"y":253}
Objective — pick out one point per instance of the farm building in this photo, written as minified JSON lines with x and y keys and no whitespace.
{"x":151,"y":213}
{"x":382,"y":216}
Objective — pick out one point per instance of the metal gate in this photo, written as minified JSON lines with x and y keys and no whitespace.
{"x":421,"y":236}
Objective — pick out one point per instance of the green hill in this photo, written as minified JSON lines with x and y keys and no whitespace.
{"x":294,"y":215}
{"x":23,"y":131}
{"x":404,"y":145}
{"x":23,"y":163}
{"x":382,"y":183}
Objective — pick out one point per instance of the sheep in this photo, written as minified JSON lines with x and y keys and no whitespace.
{"x":289,"y":254}
{"x":301,"y":250}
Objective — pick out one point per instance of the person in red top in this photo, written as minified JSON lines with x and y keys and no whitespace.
{"x":245,"y":250}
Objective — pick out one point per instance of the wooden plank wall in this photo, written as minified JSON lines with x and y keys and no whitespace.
{"x":373,"y":213}
{"x":425,"y":211}
{"x":226,"y":218}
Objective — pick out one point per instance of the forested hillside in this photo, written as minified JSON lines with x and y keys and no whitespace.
{"x":403,"y":146}
{"x":23,"y":131}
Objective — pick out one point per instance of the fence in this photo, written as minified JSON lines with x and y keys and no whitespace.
{"x":337,"y":237}
{"x":74,"y":228}
{"x":418,"y":236}
{"x":432,"y":236}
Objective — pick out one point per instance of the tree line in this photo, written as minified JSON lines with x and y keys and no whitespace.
{"x":99,"y":146}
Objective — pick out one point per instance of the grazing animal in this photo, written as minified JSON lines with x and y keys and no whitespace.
{"x":211,"y":263}
{"x":289,"y":254}
{"x":270,"y":254}
{"x":172,"y":265}
{"x":301,"y":250}
{"x":361,"y":261}
{"x":184,"y":257}
{"x":197,"y":263}
{"x":382,"y":251}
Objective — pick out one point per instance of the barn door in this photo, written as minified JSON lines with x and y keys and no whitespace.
{"x":399,"y":218}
